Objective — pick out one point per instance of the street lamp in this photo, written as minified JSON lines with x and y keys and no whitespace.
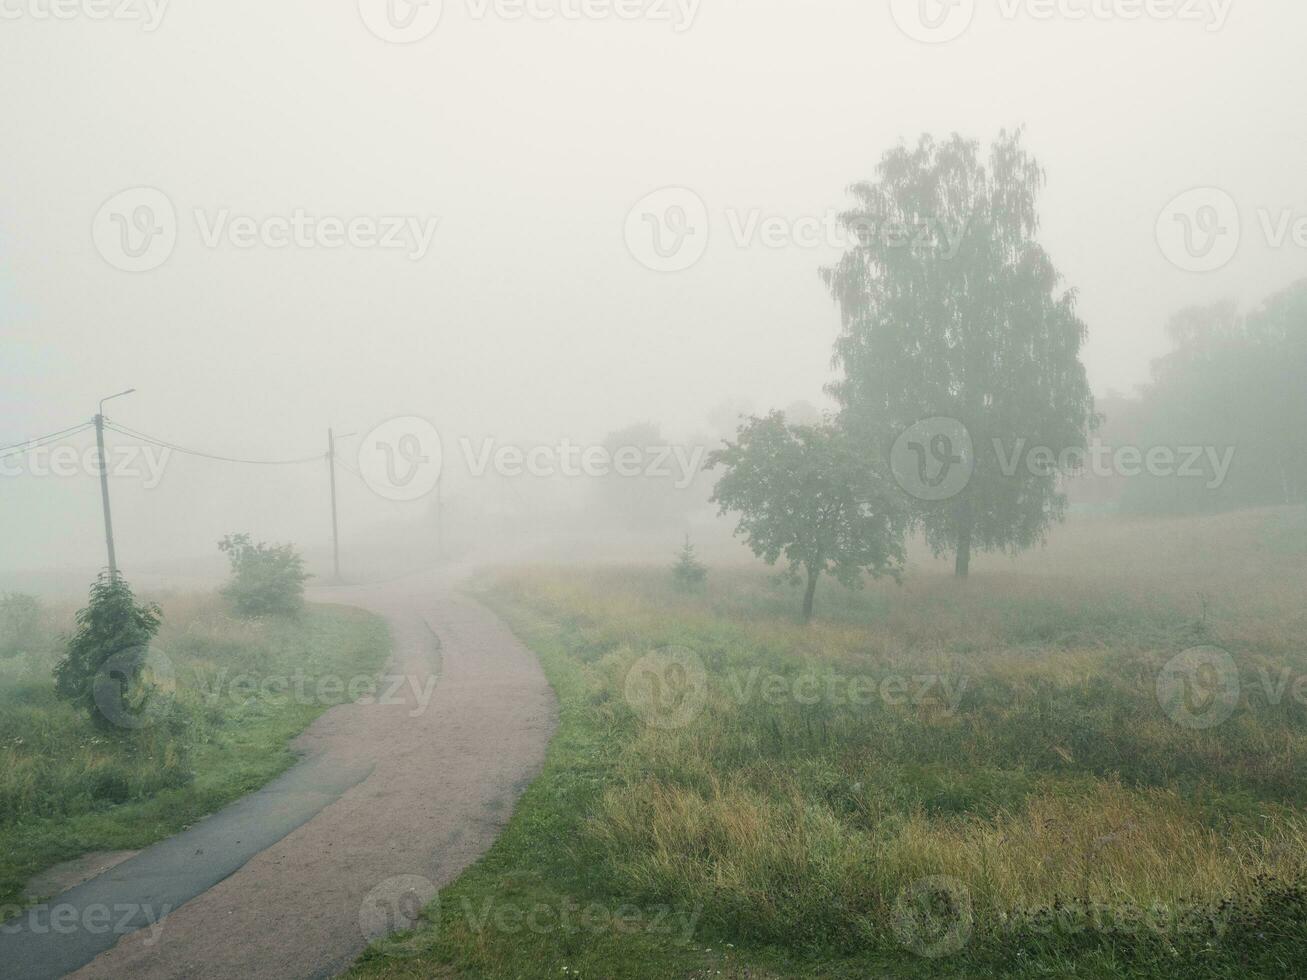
{"x":335,"y":524}
{"x":104,"y":481}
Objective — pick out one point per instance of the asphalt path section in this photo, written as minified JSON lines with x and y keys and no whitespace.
{"x":293,"y":880}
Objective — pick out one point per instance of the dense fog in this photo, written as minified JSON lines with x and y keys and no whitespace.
{"x":341,"y":230}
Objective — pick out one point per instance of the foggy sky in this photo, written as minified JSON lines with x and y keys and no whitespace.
{"x":530,"y":141}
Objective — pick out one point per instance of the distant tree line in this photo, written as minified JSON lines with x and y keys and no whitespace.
{"x":1234,"y":382}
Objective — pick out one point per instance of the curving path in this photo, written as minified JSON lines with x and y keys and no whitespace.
{"x":273,"y":886}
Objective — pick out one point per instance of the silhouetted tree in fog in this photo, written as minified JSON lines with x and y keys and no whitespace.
{"x":951,"y":308}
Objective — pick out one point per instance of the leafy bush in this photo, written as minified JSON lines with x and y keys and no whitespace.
{"x":102,"y":671}
{"x":20,"y":624}
{"x":266,"y":580}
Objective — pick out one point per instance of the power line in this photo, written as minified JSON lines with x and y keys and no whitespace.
{"x":165,"y":444}
{"x":23,"y":447}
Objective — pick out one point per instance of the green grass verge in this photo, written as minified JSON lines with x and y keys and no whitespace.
{"x":67,"y":789}
{"x":1091,"y":834}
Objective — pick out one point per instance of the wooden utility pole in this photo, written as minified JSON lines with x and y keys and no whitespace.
{"x":104,"y":496}
{"x":104,"y":482}
{"x":335,"y":525}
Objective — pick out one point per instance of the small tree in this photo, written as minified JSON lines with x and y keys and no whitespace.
{"x":689,"y":573}
{"x":804,"y":493}
{"x":113,"y":635}
{"x":266,"y":580}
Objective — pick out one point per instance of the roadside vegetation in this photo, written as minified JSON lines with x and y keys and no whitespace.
{"x":212,"y":726}
{"x":1013,"y":799}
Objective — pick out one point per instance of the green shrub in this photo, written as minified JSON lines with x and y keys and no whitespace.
{"x":102,"y":671}
{"x":266,"y":580}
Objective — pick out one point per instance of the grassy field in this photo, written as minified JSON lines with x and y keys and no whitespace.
{"x":67,"y":789}
{"x":980,"y":778}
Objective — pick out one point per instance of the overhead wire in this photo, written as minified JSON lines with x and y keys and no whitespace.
{"x":166,"y":444}
{"x":24,"y":447}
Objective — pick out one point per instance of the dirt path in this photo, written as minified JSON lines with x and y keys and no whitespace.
{"x":440,"y":784}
